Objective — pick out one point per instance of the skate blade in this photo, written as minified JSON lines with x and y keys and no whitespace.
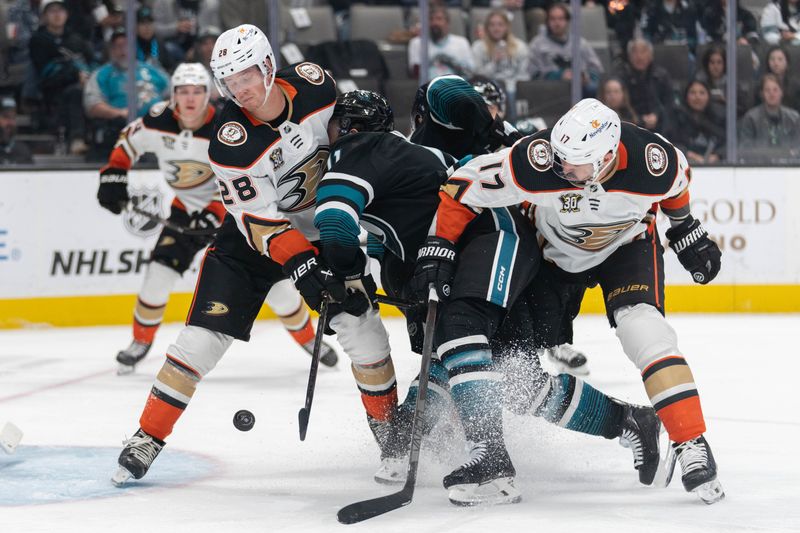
{"x":10,"y":437}
{"x":120,"y":477}
{"x":666,"y":463}
{"x":499,"y":491}
{"x":125,"y":370}
{"x":393,"y":471}
{"x":710,"y":492}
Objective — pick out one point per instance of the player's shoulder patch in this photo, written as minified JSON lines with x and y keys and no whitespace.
{"x":540,"y":155}
{"x":232,"y":133}
{"x":158,"y":108}
{"x":656,"y":159}
{"x":310,"y":72}
{"x":160,"y":118}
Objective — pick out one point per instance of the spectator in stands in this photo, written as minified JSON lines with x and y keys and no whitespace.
{"x":62,"y":62}
{"x":447,"y":54}
{"x":612,"y":92}
{"x":696,"y":129}
{"x":771,"y":124}
{"x":551,"y":52}
{"x":201,"y":53}
{"x":94,"y":20}
{"x":649,"y":86}
{"x":177,"y":22}
{"x":150,"y":48}
{"x":780,"y":22}
{"x":713,"y":72}
{"x":106,"y":98}
{"x":499,"y":54}
{"x":672,"y":22}
{"x":777,"y":62}
{"x":12,"y":151}
{"x":23,"y":20}
{"x":623,"y":17}
{"x":713,"y":20}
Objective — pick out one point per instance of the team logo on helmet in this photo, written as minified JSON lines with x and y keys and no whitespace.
{"x":232,"y":134}
{"x":540,"y":155}
{"x":311,"y":73}
{"x":158,"y":108}
{"x":656,"y":158}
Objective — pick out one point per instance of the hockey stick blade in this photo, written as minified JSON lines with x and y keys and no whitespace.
{"x":364,"y":510}
{"x":305,"y":412}
{"x":360,"y":511}
{"x":175,"y":227}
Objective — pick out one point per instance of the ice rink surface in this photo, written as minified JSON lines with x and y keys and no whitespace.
{"x":59,"y":386}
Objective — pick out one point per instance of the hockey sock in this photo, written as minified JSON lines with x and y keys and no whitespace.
{"x":146,"y":319}
{"x":377,"y":384}
{"x":173,"y":389}
{"x":152,"y":301}
{"x":573,"y":404}
{"x":436,"y":400}
{"x":670,"y":386}
{"x":474,"y":387}
{"x":299,"y":326}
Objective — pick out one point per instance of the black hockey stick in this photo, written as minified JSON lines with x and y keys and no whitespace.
{"x":175,"y":227}
{"x":305,"y":411}
{"x":397,"y":302}
{"x":364,"y":510}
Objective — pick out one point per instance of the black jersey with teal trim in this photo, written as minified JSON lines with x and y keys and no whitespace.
{"x":458,"y":119}
{"x":383,"y":183}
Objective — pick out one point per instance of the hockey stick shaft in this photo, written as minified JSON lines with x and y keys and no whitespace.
{"x":173,"y":226}
{"x":305,"y":411}
{"x":364,"y":510}
{"x":397,"y":302}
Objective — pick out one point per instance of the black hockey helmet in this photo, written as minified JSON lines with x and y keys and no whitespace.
{"x":420,"y":106}
{"x":363,"y":111}
{"x":491,"y":92}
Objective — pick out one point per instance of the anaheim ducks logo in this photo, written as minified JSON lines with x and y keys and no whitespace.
{"x":166,"y":240}
{"x":656,"y":158}
{"x":232,"y":134}
{"x":311,"y":73}
{"x":540,"y":155}
{"x":297,"y":189}
{"x":186,"y":174}
{"x":215,"y":308}
{"x":593,"y":237}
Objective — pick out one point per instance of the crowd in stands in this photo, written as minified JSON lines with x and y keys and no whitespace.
{"x":659,"y":63}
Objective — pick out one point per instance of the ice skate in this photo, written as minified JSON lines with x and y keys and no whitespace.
{"x":136,"y":457}
{"x":699,"y":469}
{"x":640,"y":433}
{"x":327,"y":355}
{"x":568,"y":359}
{"x":393,"y":438}
{"x":486,"y":479}
{"x":130,"y":357}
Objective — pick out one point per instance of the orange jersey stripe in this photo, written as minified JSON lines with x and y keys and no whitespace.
{"x":288,"y":244}
{"x":683,"y":420}
{"x":677,"y":202}
{"x":452,"y":218}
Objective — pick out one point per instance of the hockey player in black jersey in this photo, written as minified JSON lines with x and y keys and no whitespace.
{"x":378,"y":181}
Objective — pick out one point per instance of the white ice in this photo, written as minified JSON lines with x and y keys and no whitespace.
{"x":59,"y":387}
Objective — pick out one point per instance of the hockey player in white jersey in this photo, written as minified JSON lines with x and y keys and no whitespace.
{"x":178,"y":132}
{"x":595,"y":185}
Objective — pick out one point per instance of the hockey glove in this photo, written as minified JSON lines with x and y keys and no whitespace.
{"x":313,"y":279}
{"x":501,"y":134}
{"x":697,"y":253}
{"x":203,"y":220}
{"x":113,"y":191}
{"x":436,"y":263}
{"x":349,"y":264}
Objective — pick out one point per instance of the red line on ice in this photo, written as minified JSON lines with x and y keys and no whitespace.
{"x":52,"y":386}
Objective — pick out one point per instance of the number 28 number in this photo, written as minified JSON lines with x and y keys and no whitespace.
{"x":243,"y":188}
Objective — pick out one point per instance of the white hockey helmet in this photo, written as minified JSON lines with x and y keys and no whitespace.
{"x":585,"y":134}
{"x":237,"y":50}
{"x":190,"y":74}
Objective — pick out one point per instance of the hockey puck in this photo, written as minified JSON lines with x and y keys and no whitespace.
{"x":244,"y":420}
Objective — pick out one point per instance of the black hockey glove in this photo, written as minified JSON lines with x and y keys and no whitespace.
{"x":501,"y":134}
{"x":697,"y":253}
{"x":113,"y":191}
{"x":203,"y":220}
{"x":349,"y":264}
{"x":314,"y":279}
{"x":436,"y":263}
